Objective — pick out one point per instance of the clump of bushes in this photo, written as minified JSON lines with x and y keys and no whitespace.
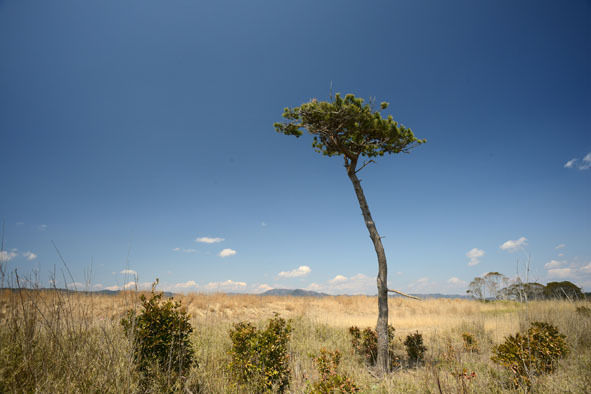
{"x":531,"y":354}
{"x":470,"y":343}
{"x":260,"y":361}
{"x":331,"y":381}
{"x":161,"y":339}
{"x":415,"y":348}
{"x":365,"y":343}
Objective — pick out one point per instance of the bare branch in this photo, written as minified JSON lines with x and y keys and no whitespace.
{"x":404,"y":294}
{"x":364,"y":164}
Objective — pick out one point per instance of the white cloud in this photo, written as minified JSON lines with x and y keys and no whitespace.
{"x":75,"y":285}
{"x":474,"y":255}
{"x":42,"y":227}
{"x":227,"y":285}
{"x":227,"y":252}
{"x":7,"y":256}
{"x":514,"y":245}
{"x":314,"y":287}
{"x":586,"y":268}
{"x":560,"y":272}
{"x":560,"y":254}
{"x":30,"y":255}
{"x":456,"y":281}
{"x":356,"y":284}
{"x":421,"y":285}
{"x":186,"y":285}
{"x":97,"y":286}
{"x":130,"y":285}
{"x":133,"y":285}
{"x":184,"y":250}
{"x":570,"y":163}
{"x":338,"y":279}
{"x":113,"y":288}
{"x":553,"y":264}
{"x":263,"y":224}
{"x":262,"y":288}
{"x":560,"y":246}
{"x":302,"y":270}
{"x":586,"y":162}
{"x":128,"y":272}
{"x":209,"y":240}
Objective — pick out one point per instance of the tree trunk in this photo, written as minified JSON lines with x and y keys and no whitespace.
{"x":383,"y":362}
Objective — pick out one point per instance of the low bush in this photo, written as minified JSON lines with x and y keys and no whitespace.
{"x":531,"y":354}
{"x":160,"y":334}
{"x":331,"y":381}
{"x":260,"y":362}
{"x":470,"y":343}
{"x":365,"y":343}
{"x":415,"y":348}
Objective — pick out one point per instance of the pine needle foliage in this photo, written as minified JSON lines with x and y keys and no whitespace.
{"x":348,"y":126}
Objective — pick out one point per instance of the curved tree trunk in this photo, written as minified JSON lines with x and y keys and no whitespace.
{"x":383,"y":362}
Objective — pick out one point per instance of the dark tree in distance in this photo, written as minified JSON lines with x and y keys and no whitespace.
{"x":351,"y":128}
{"x":564,"y":289}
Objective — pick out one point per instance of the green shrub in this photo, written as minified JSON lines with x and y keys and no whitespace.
{"x":330,"y":380}
{"x":470,"y":343}
{"x":259,"y":357}
{"x":534,"y":353}
{"x":415,"y":348}
{"x":160,"y":334}
{"x":365,"y":343}
{"x":584,"y":311}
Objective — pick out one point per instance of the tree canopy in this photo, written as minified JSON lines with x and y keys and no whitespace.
{"x":350,"y":127}
{"x":564,"y":289}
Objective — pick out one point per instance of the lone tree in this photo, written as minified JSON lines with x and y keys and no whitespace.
{"x":350,"y":128}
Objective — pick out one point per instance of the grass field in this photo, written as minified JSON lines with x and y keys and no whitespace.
{"x":67,"y":342}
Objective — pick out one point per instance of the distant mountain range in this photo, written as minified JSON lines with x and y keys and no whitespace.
{"x":294,"y":293}
{"x":272,"y":292}
{"x":105,"y":292}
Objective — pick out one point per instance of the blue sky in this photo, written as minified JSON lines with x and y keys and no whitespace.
{"x":137,"y":136}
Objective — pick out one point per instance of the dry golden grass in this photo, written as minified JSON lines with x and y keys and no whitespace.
{"x":53,"y":341}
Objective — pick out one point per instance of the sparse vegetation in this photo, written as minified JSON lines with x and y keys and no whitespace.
{"x":54,"y":341}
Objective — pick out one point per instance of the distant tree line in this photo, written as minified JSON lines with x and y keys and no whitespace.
{"x":496,"y":286}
